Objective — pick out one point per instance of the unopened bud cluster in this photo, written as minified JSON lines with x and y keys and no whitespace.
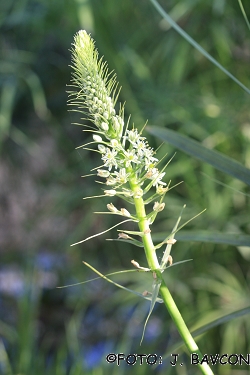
{"x":92,"y":77}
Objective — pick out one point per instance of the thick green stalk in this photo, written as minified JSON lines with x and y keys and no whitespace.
{"x":165,"y":293}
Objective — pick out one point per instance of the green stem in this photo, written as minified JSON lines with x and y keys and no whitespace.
{"x":165,"y":293}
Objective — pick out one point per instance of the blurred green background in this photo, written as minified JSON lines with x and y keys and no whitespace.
{"x":45,"y":330}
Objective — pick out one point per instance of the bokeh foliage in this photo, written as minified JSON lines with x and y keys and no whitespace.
{"x":165,"y":81}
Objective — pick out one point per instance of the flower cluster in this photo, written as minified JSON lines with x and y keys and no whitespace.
{"x":125,"y":154}
{"x":130,"y":156}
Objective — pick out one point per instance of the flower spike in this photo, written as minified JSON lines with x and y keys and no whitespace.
{"x":129,"y":169}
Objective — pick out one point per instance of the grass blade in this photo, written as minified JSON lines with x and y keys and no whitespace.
{"x":191,"y":147}
{"x":132,"y":242}
{"x":4,"y":360}
{"x":234,"y":239}
{"x":195,"y":44}
{"x":244,"y":13}
{"x":206,"y":327}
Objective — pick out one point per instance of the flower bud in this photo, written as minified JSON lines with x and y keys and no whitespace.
{"x":102,"y":148}
{"x":128,"y":193}
{"x":125,"y":212}
{"x":110,"y":193}
{"x":102,"y":173}
{"x":104,"y":126}
{"x":161,"y":190}
{"x":170,"y":260}
{"x":123,"y":236}
{"x":97,"y":138}
{"x":171,"y":241}
{"x":158,"y":206}
{"x":116,"y":124}
{"x":111,"y":181}
{"x":111,"y":207}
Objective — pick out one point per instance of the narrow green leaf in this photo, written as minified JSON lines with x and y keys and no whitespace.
{"x":177,"y":263}
{"x":95,"y":278}
{"x":225,"y":185}
{"x":118,"y":213}
{"x":155,"y":292}
{"x":99,"y":234}
{"x":169,"y":246}
{"x":224,"y":319}
{"x":206,"y":327}
{"x":4,"y":360}
{"x":132,"y":242}
{"x":244,"y":13}
{"x":234,"y":239}
{"x":191,"y":147}
{"x":177,"y":230}
{"x":135,"y":233}
{"x":38,"y":94}
{"x":7,"y":99}
{"x":120,"y":286}
{"x":195,"y":44}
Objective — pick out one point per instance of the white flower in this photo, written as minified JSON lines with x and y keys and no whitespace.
{"x":156,"y":176}
{"x":114,"y":143}
{"x":149,"y":152}
{"x":130,"y":157}
{"x":151,"y":173}
{"x":121,"y":176}
{"x":133,"y":136}
{"x":109,"y":158}
{"x":141,"y":148}
{"x":158,"y":180}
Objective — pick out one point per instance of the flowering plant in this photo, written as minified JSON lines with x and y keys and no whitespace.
{"x":130,"y":171}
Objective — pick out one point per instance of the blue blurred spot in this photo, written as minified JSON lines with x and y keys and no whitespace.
{"x":93,"y":355}
{"x":12,"y":282}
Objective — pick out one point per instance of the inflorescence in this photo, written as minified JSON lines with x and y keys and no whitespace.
{"x":125,"y":154}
